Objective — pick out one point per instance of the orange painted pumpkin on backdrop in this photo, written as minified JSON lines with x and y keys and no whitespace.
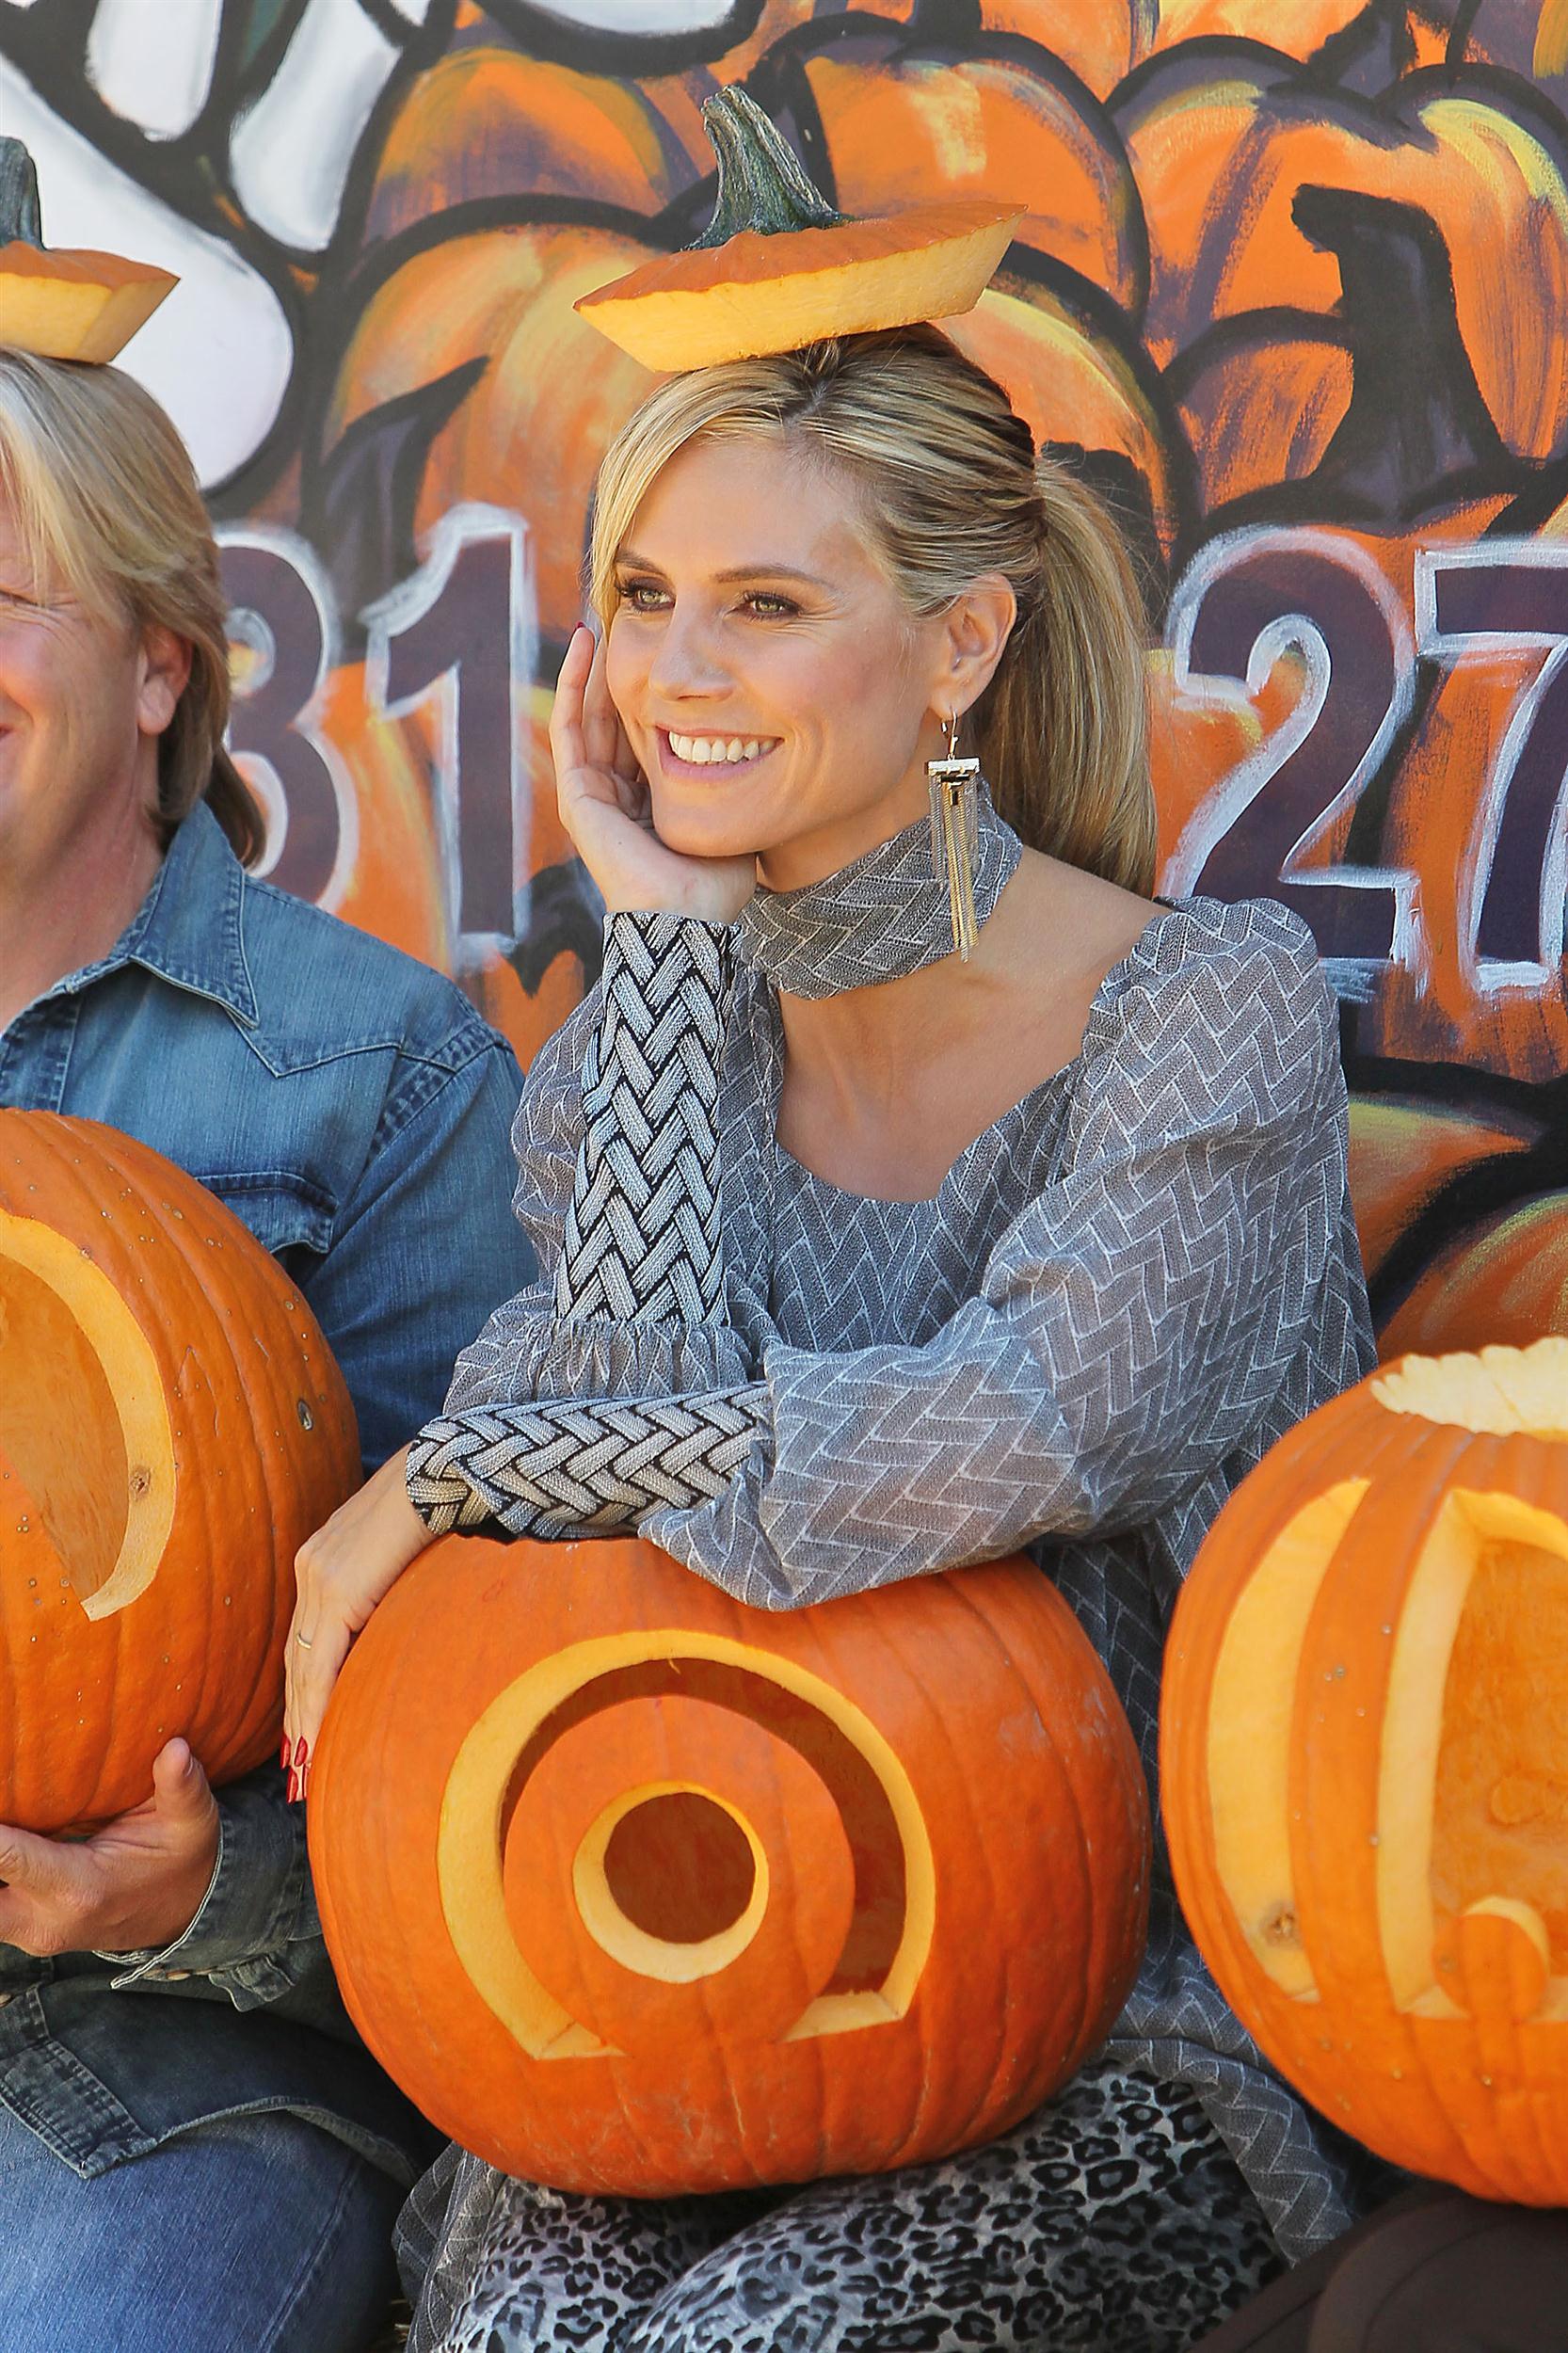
{"x":389,"y":882}
{"x":1297,"y":33}
{"x":486,"y":121}
{"x":172,"y":1427}
{"x":902,"y":126}
{"x":1401,"y":1155}
{"x":1069,"y":381}
{"x":779,"y":18}
{"x":1503,"y":1281}
{"x":531,"y":433}
{"x":1364,"y":1764}
{"x":649,"y":1892}
{"x":1221,"y":163}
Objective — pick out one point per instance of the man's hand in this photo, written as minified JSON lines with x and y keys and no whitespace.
{"x":137,"y":1883}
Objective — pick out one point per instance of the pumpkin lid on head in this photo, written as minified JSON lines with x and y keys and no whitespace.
{"x":70,"y":303}
{"x":777,"y":268}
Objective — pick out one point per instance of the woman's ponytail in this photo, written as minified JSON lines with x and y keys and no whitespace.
{"x":1063,"y":728}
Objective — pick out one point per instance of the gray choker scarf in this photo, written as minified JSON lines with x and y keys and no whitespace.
{"x":874,"y":921}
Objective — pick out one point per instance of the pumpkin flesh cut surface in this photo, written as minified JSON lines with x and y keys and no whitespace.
{"x":71,"y":304}
{"x":1250,"y":1728}
{"x":89,"y":1441}
{"x":1500,"y":1392}
{"x":699,"y":309}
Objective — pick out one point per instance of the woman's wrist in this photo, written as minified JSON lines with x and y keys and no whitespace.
{"x":716,"y":898}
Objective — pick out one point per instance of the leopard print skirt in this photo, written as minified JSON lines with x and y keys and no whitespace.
{"x":1113,"y":2218}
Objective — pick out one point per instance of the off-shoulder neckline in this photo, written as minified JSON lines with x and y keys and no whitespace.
{"x":1219,"y":914}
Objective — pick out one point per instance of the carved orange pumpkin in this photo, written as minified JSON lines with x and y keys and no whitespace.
{"x":172,"y":1426}
{"x":1365,"y":1764}
{"x":635,"y":1889}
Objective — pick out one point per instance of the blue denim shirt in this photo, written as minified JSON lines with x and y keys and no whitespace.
{"x":351,"y":1106}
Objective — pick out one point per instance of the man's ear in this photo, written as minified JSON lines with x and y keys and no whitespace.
{"x":165,"y":659}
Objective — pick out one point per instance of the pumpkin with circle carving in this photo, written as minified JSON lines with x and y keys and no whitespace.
{"x":172,"y":1427}
{"x":1364,"y":1764}
{"x":635,"y":1889}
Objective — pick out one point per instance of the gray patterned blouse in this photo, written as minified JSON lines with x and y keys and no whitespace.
{"x":1126,"y":1290}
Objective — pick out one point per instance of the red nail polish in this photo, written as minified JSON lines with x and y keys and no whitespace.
{"x":300,"y":1752}
{"x":293,"y":1787}
{"x":283,"y":1750}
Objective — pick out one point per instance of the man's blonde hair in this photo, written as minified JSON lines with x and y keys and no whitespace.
{"x":105,"y":501}
{"x":947,"y":485}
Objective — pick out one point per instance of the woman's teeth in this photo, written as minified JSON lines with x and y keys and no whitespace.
{"x":712,"y":751}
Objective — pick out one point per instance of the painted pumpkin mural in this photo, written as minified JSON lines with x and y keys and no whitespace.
{"x":651,"y":1891}
{"x":1289,"y":286}
{"x":1365,"y":1764}
{"x":172,"y":1427}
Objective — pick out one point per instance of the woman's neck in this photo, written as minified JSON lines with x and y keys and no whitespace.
{"x":883,"y":1087}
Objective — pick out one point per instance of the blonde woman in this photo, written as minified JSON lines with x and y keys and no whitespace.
{"x":1040,"y":1248}
{"x":196,"y":2156}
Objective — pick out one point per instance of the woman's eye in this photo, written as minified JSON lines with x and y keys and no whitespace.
{"x":771,"y":608}
{"x":643,"y":596}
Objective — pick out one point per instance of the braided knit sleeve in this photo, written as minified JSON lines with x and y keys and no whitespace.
{"x":640,"y":1246}
{"x":642,"y":1234}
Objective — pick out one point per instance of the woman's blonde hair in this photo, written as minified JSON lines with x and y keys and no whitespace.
{"x":106,"y":501}
{"x":950,"y":488}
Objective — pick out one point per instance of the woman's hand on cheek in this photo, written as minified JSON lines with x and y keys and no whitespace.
{"x":604,"y":805}
{"x":343,"y":1571}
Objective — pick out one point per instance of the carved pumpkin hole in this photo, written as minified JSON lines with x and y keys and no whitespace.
{"x":1501,"y":1825}
{"x":680,"y":1868}
{"x":863,"y":1804}
{"x":61,"y":1435}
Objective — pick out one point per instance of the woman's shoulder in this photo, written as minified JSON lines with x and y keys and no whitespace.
{"x":1197,"y":951}
{"x":1218,"y":985}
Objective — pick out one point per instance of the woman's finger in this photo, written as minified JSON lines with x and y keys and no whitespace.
{"x":604,"y":741}
{"x":316,"y":1669}
{"x":566,"y":714}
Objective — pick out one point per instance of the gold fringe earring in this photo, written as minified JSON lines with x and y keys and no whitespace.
{"x":955,"y":834}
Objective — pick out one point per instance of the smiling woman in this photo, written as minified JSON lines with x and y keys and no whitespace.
{"x":860,"y":1261}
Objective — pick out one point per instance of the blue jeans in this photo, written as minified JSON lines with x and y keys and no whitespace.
{"x":255,"y":2235}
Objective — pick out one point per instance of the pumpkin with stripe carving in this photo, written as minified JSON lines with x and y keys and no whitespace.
{"x":1365,"y":1764}
{"x":172,"y":1427}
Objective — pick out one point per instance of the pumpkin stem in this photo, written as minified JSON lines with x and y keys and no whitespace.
{"x":761,"y":185}
{"x":21,"y":221}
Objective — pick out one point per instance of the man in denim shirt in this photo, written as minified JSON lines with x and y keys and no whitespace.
{"x":195,"y":2153}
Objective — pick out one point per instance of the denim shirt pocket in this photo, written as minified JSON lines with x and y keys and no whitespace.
{"x":291,"y":1214}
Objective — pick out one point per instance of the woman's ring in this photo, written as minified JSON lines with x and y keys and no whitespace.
{"x":303,"y":1641}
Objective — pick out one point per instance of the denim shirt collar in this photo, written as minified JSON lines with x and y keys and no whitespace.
{"x":190,"y":927}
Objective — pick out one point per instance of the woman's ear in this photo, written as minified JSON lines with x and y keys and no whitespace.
{"x":974,"y":632}
{"x":165,"y":673}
